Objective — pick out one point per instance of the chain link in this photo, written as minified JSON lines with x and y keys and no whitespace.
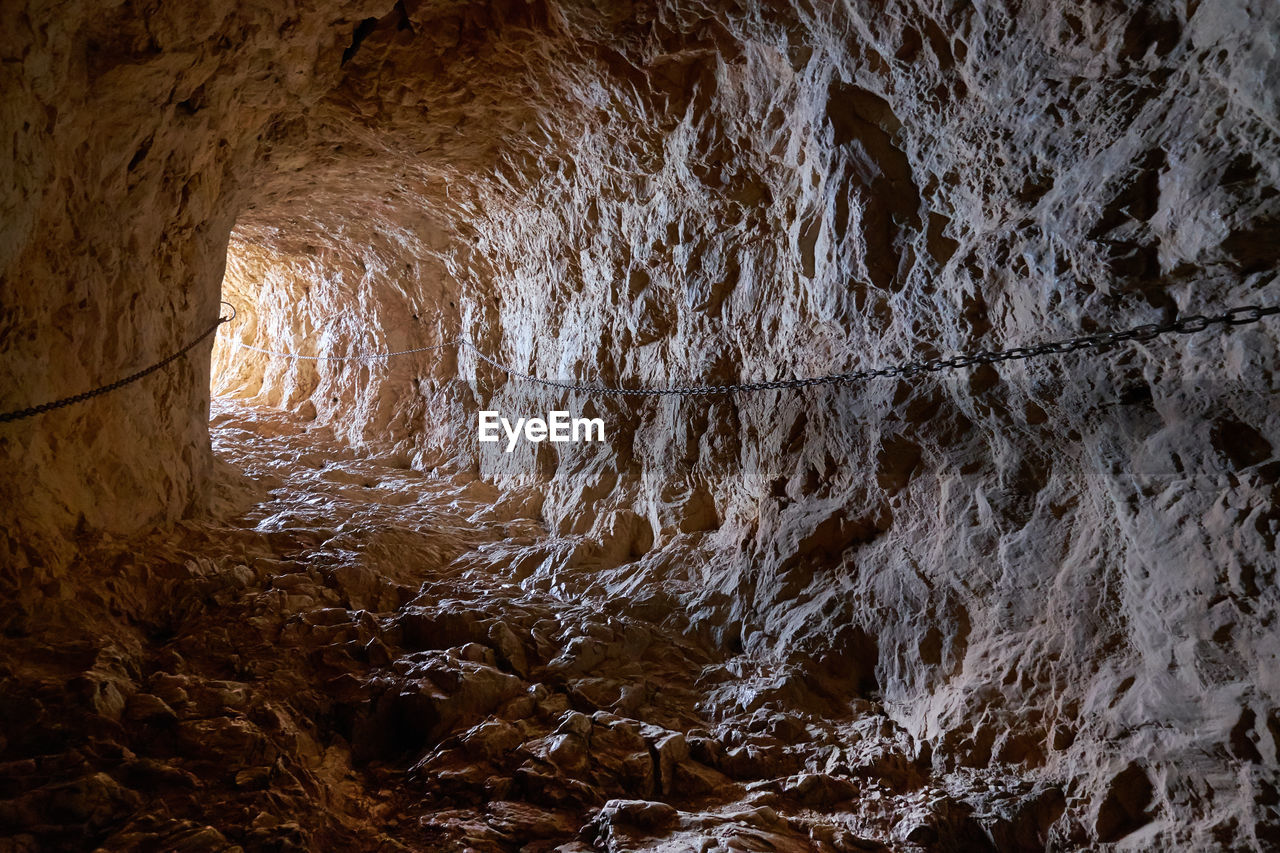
{"x":1099,"y":341}
{"x":21,"y":414}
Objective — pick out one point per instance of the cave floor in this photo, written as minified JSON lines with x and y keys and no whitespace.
{"x":346,"y":653}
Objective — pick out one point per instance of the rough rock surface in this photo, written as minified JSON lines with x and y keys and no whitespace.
{"x":358,"y":655}
{"x":1032,"y":604}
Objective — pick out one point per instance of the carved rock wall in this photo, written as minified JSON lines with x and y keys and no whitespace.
{"x":136,"y":138}
{"x":1064,"y":566}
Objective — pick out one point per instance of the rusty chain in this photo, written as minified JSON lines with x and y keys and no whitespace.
{"x":20,"y":414}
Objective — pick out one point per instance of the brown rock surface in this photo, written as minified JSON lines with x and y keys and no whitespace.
{"x":1017,"y":607}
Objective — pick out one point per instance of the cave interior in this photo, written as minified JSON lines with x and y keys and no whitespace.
{"x":277,"y":595}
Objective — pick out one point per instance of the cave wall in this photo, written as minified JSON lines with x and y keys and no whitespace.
{"x":136,"y":135}
{"x":1024,"y":562}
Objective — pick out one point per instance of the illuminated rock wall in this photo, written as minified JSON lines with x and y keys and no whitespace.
{"x":1065,"y":566}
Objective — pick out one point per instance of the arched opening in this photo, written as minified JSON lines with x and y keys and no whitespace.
{"x":1022,"y":600}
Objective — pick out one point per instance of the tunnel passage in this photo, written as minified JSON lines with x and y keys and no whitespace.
{"x":1019,"y":606}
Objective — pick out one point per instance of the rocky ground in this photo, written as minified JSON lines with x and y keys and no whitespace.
{"x":1030,"y":602}
{"x":350,"y":654}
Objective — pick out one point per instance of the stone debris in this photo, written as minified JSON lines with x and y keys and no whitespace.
{"x":1018,"y":606}
{"x":260,"y":707}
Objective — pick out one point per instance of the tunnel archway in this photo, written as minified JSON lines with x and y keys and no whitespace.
{"x":1017,"y":604}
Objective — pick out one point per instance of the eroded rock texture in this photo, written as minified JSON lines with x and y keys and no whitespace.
{"x":1025,"y":607}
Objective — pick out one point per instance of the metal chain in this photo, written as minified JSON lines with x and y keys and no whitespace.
{"x":1098,"y":341}
{"x":31,"y":412}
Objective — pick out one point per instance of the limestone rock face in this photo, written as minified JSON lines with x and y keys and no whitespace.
{"x":135,"y":139}
{"x":1026,"y":605}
